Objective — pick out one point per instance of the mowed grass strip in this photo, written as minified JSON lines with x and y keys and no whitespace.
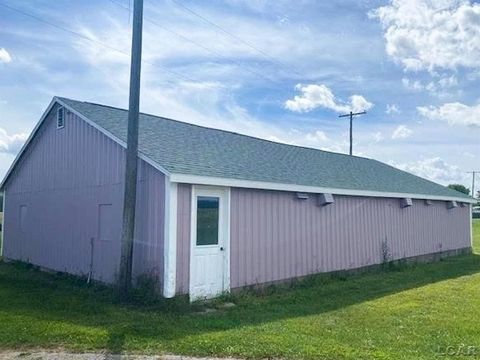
{"x":409,"y":312}
{"x":476,"y":236}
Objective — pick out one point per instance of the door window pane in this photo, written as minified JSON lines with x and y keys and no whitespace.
{"x":207,"y":220}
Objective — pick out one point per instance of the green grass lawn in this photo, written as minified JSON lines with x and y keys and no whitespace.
{"x":476,"y":236}
{"x":410,"y":312}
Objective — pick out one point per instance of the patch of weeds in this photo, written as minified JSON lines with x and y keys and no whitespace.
{"x":388,"y":264}
{"x":339,"y":276}
{"x":146,"y":290}
{"x":401,"y":265}
{"x":22,"y":266}
{"x":146,"y":295}
{"x":386,"y":254}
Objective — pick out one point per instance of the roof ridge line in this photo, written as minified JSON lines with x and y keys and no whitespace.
{"x":222,"y":130}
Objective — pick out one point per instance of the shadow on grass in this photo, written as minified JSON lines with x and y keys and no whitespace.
{"x":43,"y":298}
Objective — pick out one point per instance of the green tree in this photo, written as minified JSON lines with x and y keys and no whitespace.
{"x":460,"y":187}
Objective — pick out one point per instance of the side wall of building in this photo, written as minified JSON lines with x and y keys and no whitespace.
{"x":275,"y":236}
{"x":66,"y":190}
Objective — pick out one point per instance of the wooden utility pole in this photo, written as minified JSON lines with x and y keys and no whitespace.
{"x":474,"y":173}
{"x":351,"y":115}
{"x":130,"y":196}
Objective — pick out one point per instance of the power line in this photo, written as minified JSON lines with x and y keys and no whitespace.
{"x":351,"y":115}
{"x":107,"y":46}
{"x":61,"y":28}
{"x":239,"y":39}
{"x":185,"y":38}
{"x":474,"y":173}
{"x":71,"y":32}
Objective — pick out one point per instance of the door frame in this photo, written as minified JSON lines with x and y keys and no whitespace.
{"x":223,"y":192}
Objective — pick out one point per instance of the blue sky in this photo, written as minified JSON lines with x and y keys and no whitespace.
{"x":279,"y":70}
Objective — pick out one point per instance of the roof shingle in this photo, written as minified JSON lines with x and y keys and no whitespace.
{"x":183,"y":148}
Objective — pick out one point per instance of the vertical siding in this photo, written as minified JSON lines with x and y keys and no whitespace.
{"x":275,"y":236}
{"x":62,"y":179}
{"x":149,"y":230}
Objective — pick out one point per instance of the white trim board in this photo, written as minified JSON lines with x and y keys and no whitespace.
{"x":471,"y":224}
{"x":217,"y":181}
{"x":227,"y":275}
{"x":2,"y":240}
{"x":170,"y":240}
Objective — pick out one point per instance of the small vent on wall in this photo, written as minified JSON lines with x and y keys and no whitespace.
{"x":302,"y":196}
{"x":325,"y":199}
{"x":451,"y":204}
{"x":60,"y":118}
{"x":428,"y":202}
{"x":405,"y":202}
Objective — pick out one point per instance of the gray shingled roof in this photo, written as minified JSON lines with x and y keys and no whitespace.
{"x":183,"y":148}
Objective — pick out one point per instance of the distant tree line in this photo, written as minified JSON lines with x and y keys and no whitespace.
{"x":465,"y":190}
{"x":460,"y":187}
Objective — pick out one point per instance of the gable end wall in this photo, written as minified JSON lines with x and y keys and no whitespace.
{"x":69,"y":183}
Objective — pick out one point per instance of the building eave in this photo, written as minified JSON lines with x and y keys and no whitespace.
{"x":250,"y":184}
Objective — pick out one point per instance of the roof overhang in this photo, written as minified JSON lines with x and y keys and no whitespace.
{"x":218,"y":181}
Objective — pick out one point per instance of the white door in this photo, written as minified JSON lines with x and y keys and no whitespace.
{"x":210,"y":236}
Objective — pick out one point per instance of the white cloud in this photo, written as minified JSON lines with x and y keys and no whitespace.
{"x":441,"y":87}
{"x":392,"y":109}
{"x":401,"y":132}
{"x":414,"y":85}
{"x":377,"y":136}
{"x":5,"y":56}
{"x":454,"y":113}
{"x":316,"y":137}
{"x":434,"y":169}
{"x":11,"y":144}
{"x":320,"y":96}
{"x":447,"y":82}
{"x":429,"y":35}
{"x":359,"y":103}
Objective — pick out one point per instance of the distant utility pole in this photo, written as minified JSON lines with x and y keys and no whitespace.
{"x":351,"y":115}
{"x":130,"y":196}
{"x":474,"y":173}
